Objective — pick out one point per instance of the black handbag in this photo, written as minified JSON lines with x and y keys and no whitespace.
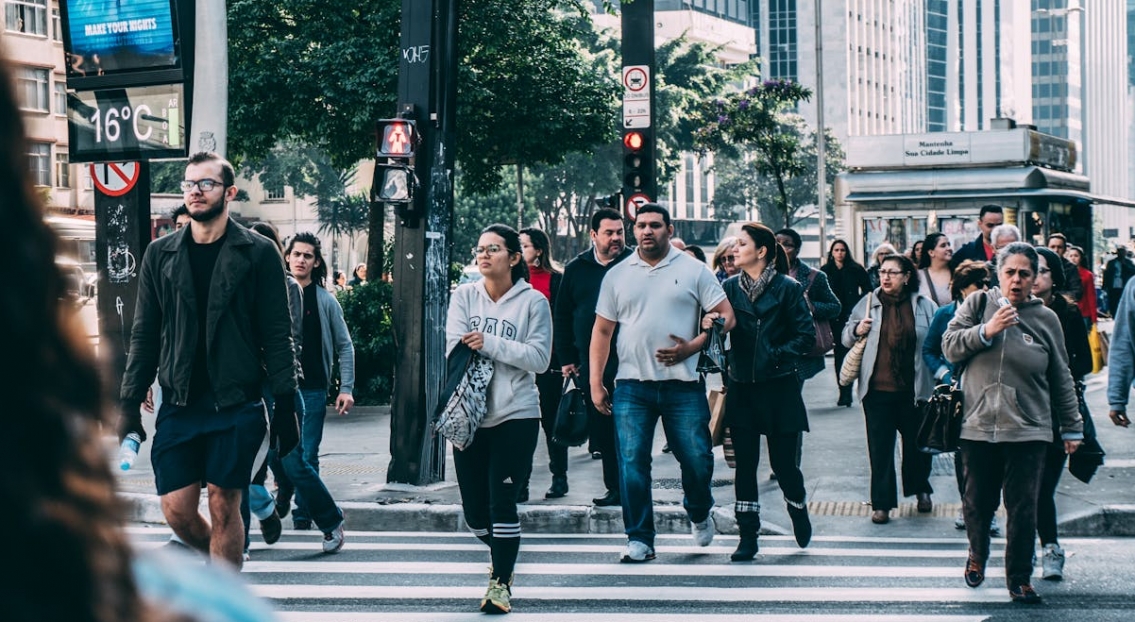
{"x":1089,"y":457}
{"x":571,"y":417}
{"x":941,"y":426}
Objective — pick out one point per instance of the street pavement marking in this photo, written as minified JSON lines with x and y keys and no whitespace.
{"x":613,"y":569}
{"x":664,"y":593}
{"x":434,"y":616}
{"x":613,"y":549}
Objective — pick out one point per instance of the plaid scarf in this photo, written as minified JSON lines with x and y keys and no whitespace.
{"x":753,"y":288}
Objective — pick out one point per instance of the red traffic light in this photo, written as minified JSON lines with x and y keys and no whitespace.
{"x":634,"y":141}
{"x":396,"y":138}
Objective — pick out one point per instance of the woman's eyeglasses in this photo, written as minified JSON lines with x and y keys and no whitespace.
{"x":891,"y":273}
{"x":491,"y":249}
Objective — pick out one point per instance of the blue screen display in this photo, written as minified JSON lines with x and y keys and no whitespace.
{"x":107,"y":37}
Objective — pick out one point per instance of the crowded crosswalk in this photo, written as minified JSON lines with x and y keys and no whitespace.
{"x":441,"y":577}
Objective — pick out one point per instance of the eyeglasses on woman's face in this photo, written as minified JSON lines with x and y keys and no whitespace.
{"x":891,"y":273}
{"x":491,"y":249}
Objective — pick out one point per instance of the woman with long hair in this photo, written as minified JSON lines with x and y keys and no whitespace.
{"x":849,"y":281}
{"x":1047,"y":285}
{"x":1089,"y":308}
{"x":915,"y":253}
{"x":545,"y":276}
{"x":1016,"y":381}
{"x":502,"y":318}
{"x":892,"y":379}
{"x":773,"y":332}
{"x":935,"y":273}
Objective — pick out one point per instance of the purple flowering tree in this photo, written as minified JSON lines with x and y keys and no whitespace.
{"x":757,"y":121}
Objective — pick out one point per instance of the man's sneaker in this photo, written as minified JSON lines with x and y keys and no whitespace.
{"x":271,"y":528}
{"x":246,"y":556}
{"x":994,"y":528}
{"x":960,"y":521}
{"x":1052,"y":564}
{"x":498,"y":598}
{"x":703,"y":531}
{"x":333,"y":540}
{"x":637,"y":552}
{"x":1024,"y":594}
{"x":301,"y":525}
{"x":284,"y":501}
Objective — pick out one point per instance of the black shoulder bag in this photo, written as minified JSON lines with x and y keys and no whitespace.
{"x":941,"y":427}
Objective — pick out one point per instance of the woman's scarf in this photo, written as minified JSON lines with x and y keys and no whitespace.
{"x":753,"y":288}
{"x":898,"y":335}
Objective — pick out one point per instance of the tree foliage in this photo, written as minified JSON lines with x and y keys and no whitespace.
{"x":742,"y":191}
{"x":755,"y":121}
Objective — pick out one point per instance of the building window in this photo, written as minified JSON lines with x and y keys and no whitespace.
{"x":32,"y":89}
{"x":274,"y":194}
{"x":39,"y":163}
{"x":26,"y":16}
{"x":56,"y":25}
{"x":62,"y":171}
{"x":782,"y":39}
{"x":60,"y":90}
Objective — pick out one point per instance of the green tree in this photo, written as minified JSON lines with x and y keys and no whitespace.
{"x":754,"y":120}
{"x":741,"y":191}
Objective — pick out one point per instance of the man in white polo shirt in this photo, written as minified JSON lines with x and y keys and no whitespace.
{"x":656,"y":298}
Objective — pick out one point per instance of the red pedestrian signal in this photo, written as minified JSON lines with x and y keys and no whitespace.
{"x":397,"y":138}
{"x":633,"y":141}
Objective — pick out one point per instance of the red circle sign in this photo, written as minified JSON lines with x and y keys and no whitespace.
{"x":115,"y":179}
{"x":634,"y":79}
{"x":634,"y":202}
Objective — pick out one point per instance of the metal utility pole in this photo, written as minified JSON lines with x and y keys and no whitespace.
{"x":639,"y":183}
{"x":211,"y":78}
{"x":821,"y":172}
{"x":427,"y":93}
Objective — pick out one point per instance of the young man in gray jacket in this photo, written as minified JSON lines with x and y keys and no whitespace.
{"x":325,"y":337}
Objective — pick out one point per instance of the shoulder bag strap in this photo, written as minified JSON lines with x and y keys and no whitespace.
{"x":930,"y":285}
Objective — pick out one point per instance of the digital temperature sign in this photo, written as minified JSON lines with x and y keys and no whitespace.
{"x":116,"y":125}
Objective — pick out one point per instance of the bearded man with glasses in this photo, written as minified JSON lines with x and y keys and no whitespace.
{"x":212,"y":323}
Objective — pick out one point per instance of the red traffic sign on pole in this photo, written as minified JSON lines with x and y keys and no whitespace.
{"x":115,"y":179}
{"x":634,"y":202}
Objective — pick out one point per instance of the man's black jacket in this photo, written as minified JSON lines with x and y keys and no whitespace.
{"x":574,"y":312}
{"x":248,"y":327}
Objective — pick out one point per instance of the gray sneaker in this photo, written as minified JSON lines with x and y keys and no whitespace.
{"x":333,"y":540}
{"x":637,"y":552}
{"x":703,"y":531}
{"x":1052,"y":563}
{"x":960,"y":521}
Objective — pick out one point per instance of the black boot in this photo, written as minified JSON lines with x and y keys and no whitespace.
{"x":749,"y":526}
{"x":559,"y":487}
{"x":801,"y":525}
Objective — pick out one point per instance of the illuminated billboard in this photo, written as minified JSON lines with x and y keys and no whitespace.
{"x":106,"y":38}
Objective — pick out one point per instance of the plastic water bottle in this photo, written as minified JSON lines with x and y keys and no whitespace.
{"x":128,"y":452}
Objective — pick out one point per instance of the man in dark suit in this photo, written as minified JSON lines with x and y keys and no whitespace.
{"x":980,"y":249}
{"x":1116,"y":273}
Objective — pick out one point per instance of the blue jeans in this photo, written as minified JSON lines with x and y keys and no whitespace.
{"x":311,"y":406}
{"x":685,"y":419}
{"x":313,"y":501}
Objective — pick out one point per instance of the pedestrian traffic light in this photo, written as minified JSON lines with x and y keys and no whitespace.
{"x":397,"y":138}
{"x":638,"y":166}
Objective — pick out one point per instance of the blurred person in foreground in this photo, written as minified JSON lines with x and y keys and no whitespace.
{"x":1015,"y":381}
{"x":56,"y":486}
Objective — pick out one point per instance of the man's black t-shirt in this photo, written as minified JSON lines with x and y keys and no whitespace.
{"x":202,"y":260}
{"x":314,"y":377}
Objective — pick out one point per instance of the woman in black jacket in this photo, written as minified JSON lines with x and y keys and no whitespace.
{"x":774,"y":330}
{"x":849,"y":280}
{"x":1049,"y":282}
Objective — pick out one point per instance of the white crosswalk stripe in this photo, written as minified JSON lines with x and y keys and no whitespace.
{"x":441,"y":577}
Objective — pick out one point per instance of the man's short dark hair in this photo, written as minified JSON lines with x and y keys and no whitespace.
{"x":602,"y":214}
{"x":228,"y":173}
{"x":180,"y":210}
{"x":654,"y":208}
{"x":1059,"y":236}
{"x":791,"y":233}
{"x":990,"y":209}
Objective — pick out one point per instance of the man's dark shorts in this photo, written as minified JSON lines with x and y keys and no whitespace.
{"x":195,"y":444}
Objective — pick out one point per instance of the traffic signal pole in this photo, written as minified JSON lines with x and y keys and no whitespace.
{"x":427,"y":94}
{"x":638,"y":129}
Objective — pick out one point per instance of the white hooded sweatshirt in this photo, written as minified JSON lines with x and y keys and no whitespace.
{"x":518,"y":339}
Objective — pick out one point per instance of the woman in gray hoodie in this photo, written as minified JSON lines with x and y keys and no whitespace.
{"x":1015,"y":381}
{"x":502,"y":318}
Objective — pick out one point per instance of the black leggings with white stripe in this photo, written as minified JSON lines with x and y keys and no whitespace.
{"x":491,"y":472}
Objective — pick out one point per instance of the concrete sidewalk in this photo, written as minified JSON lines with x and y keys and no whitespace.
{"x":355,"y":454}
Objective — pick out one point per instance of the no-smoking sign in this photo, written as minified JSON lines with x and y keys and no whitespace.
{"x":115,"y":178}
